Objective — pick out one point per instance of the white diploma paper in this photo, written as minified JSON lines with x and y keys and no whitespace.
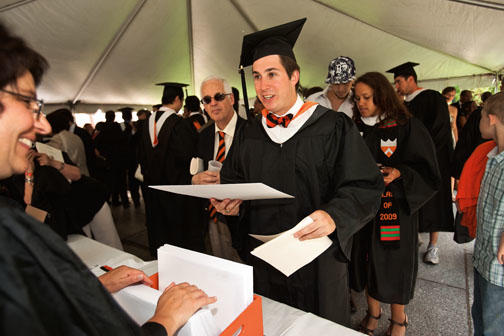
{"x":241,"y":191}
{"x":288,"y":254}
{"x":52,"y":152}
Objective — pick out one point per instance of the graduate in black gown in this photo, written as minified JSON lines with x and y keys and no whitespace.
{"x":312,"y":153}
{"x":167,"y":146}
{"x":430,"y":108}
{"x":385,"y":252}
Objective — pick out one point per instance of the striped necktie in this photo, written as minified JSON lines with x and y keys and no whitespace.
{"x":221,"y":155}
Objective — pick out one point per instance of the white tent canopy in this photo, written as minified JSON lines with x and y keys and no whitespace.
{"x":109,"y":53}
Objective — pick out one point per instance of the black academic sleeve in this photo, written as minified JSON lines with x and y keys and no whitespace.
{"x":356,"y":181}
{"x":420,"y":176}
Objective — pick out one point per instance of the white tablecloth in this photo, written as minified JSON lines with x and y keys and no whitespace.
{"x":278,"y":319}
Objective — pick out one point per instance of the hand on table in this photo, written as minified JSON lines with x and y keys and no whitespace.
{"x":323,"y":225}
{"x":121,"y":277}
{"x":177,"y":304}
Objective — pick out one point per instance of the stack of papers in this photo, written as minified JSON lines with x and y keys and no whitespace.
{"x":230,"y":282}
{"x":288,"y":254}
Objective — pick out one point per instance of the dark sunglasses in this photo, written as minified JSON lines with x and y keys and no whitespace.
{"x":218,"y":97}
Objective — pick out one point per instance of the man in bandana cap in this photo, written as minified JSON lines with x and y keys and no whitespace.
{"x":338,"y":95}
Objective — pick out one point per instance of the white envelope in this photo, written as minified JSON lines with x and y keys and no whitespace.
{"x":50,"y":151}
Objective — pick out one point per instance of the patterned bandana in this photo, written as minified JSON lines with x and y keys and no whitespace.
{"x":341,"y":70}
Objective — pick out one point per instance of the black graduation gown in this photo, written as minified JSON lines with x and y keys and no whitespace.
{"x":469,"y":138}
{"x":389,"y":272}
{"x":430,"y":108}
{"x":326,"y":166}
{"x":46,"y":289}
{"x":170,"y":218}
{"x":197,"y":121}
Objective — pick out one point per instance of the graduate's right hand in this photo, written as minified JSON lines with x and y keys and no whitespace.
{"x":227,"y":207}
{"x":177,"y":304}
{"x":323,"y":225}
{"x":206,"y":177}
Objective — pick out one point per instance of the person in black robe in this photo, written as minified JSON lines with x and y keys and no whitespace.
{"x":469,"y":138}
{"x":167,"y":146}
{"x":46,"y":289}
{"x":315,"y":155}
{"x":128,"y":130}
{"x":430,"y":108}
{"x":112,"y":144}
{"x":192,"y":112}
{"x":385,"y":252}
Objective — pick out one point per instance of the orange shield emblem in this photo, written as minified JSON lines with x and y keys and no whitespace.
{"x":388,"y":147}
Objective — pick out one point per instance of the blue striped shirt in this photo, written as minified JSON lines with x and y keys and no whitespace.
{"x":490,"y":214}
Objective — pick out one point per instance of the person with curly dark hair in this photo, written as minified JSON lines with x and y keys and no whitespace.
{"x":385,"y":252}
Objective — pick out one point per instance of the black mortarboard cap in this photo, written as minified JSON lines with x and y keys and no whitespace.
{"x":405,"y":70}
{"x":169,"y":86}
{"x":277,"y":40}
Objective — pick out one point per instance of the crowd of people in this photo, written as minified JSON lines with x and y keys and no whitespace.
{"x":371,"y":163}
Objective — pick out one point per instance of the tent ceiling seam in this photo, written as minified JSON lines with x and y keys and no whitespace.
{"x":244,"y":15}
{"x":108,"y":49}
{"x":386,"y":32}
{"x":14,"y":5}
{"x":457,"y":77}
{"x":191,"y":43}
{"x":481,"y":3}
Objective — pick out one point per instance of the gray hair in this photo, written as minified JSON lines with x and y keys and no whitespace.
{"x":225,"y":84}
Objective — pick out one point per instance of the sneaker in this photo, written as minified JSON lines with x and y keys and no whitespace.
{"x":431,"y":256}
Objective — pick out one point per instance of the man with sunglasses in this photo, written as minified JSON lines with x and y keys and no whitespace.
{"x":214,"y":142}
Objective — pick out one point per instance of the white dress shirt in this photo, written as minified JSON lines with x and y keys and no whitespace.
{"x":280,"y":134}
{"x":321,"y":98}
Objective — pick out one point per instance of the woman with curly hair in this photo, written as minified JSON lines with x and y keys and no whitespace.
{"x":385,"y":252}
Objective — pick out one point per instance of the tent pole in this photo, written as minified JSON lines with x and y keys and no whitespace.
{"x":191,"y":44}
{"x":244,"y":88}
{"x":106,"y":52}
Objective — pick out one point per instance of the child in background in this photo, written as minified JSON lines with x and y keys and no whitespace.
{"x":488,"y":259}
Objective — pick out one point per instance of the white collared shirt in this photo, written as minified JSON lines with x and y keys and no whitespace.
{"x":229,"y":131}
{"x":321,"y":98}
{"x":412,"y":96}
{"x":280,"y":134}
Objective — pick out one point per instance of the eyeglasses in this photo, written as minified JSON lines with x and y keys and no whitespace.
{"x":218,"y":97}
{"x":32,"y":103}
